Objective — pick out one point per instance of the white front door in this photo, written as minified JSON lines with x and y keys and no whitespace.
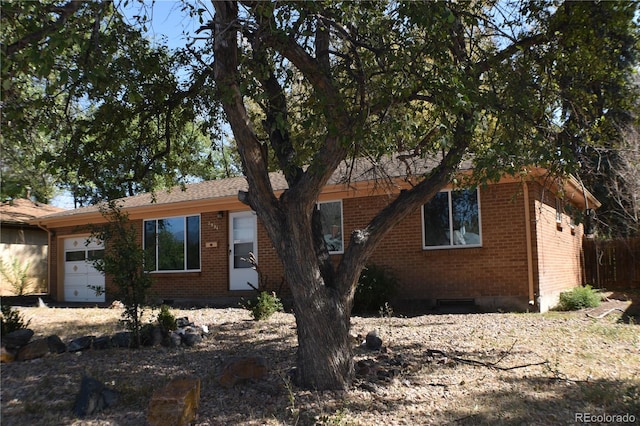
{"x":80,"y":277}
{"x":242,"y":241}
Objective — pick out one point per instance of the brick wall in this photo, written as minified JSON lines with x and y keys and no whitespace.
{"x":558,"y":249}
{"x":213,"y":279}
{"x":494,"y":275}
{"x":489,"y":274}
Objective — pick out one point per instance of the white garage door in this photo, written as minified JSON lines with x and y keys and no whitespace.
{"x":79,"y":272}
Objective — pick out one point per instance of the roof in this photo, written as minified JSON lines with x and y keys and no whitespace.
{"x":348,"y":173}
{"x":21,"y":211}
{"x":389,"y":174}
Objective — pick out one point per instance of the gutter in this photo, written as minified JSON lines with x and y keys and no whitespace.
{"x":527,"y":218}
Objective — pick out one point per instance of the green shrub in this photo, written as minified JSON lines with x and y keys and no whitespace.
{"x":265,"y":305}
{"x":579,"y":298}
{"x":11,"y":320}
{"x":166,"y":319}
{"x":17,"y":274}
{"x":145,"y":334}
{"x":376,"y":286}
{"x":124,"y":262}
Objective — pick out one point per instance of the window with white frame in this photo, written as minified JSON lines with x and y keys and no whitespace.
{"x":172,"y":244}
{"x":559,"y":211}
{"x":331,"y":219}
{"x":452,"y":219}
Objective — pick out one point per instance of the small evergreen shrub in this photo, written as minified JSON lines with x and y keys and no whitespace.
{"x":265,"y":305}
{"x":17,"y":274}
{"x":166,"y":319}
{"x":146,"y":334}
{"x":124,"y":261}
{"x":579,"y":298}
{"x":11,"y":320}
{"x":376,"y":286}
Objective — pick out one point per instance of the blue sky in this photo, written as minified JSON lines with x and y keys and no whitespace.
{"x":168,"y":19}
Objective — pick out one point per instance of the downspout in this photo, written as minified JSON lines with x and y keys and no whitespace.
{"x":527,"y":230}
{"x":48,"y":257}
{"x":584,"y":265}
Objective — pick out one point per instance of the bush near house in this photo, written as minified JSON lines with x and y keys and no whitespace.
{"x":124,"y":261}
{"x":17,"y":274}
{"x":265,"y":305}
{"x":11,"y":320}
{"x":579,"y":298}
{"x":376,"y":287}
{"x":166,"y":319}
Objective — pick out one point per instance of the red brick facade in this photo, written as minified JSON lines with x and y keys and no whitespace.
{"x":515,"y":268}
{"x":494,"y":274}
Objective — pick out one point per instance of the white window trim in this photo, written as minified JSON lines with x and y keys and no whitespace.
{"x":341,"y":222}
{"x":452,"y":246}
{"x":184,"y":218}
{"x":559,"y":210}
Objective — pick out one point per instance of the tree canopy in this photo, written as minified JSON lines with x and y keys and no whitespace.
{"x":308,"y":86}
{"x":91,"y":105}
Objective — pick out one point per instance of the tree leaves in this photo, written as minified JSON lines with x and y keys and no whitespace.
{"x":112,"y":103}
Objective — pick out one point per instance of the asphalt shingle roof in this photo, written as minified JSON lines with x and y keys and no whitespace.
{"x":358,"y":170}
{"x":21,"y":211}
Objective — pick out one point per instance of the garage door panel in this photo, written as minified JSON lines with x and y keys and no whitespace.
{"x":77,"y":268}
{"x":75,"y":280}
{"x":95,"y":281}
{"x":76,"y":294}
{"x":79,"y":274}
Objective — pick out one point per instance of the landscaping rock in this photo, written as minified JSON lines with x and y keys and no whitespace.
{"x":175,"y":404}
{"x":156,"y":336}
{"x":80,"y":344}
{"x":191,"y":337}
{"x":17,"y":338}
{"x":36,"y":349}
{"x":7,"y":355}
{"x":121,"y":339}
{"x":183,"y":322}
{"x":56,"y":345}
{"x":102,"y":342}
{"x":373,"y":341}
{"x":93,"y":397}
{"x":241,"y":369}
{"x":171,"y":339}
{"x":151,"y":335}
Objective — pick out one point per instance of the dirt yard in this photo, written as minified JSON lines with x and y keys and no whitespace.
{"x":554,"y":368}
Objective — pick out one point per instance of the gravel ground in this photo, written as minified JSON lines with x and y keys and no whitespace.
{"x":433,"y":369}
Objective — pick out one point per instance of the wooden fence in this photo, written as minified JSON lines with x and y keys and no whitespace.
{"x":614,"y":264}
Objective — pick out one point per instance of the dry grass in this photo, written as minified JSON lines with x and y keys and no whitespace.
{"x":575,"y":364}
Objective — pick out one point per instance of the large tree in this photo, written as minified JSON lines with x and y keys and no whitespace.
{"x":489,"y":81}
{"x":309,"y":86}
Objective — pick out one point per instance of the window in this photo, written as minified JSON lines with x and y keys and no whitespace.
{"x":79,"y":255}
{"x":452,"y":219}
{"x":331,"y":219}
{"x":172,"y":244}
{"x":559,"y":211}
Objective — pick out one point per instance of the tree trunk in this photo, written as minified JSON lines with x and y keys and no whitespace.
{"x":325,"y":357}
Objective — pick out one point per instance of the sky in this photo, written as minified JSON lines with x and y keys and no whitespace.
{"x":168,"y":22}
